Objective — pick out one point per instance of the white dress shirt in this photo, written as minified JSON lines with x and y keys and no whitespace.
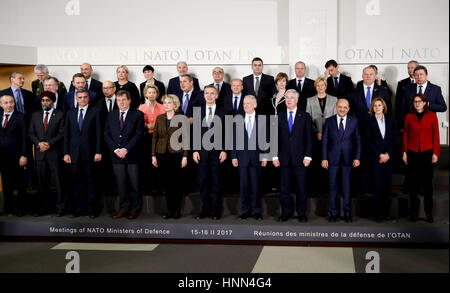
{"x":424,"y":86}
{"x":113,"y":99}
{"x":50,"y":115}
{"x":250,"y":117}
{"x":254,"y":81}
{"x":213,"y":111}
{"x":302,"y":81}
{"x":125,"y":114}
{"x":4,"y":117}
{"x":85,"y":108}
{"x":343,"y":122}
{"x":381,"y":125}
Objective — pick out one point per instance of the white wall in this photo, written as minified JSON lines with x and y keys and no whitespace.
{"x":207,"y":33}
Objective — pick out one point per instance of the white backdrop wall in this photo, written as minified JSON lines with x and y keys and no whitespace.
{"x":207,"y":33}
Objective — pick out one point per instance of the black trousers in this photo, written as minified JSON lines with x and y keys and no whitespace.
{"x":209,"y":180}
{"x":381,"y":175}
{"x":43,"y":201}
{"x":299,"y":175}
{"x":170,"y":165}
{"x":127,"y":178}
{"x":84,"y":188}
{"x":420,"y":173}
{"x":13,"y":178}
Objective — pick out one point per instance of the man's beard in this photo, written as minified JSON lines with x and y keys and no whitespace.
{"x":47,"y":107}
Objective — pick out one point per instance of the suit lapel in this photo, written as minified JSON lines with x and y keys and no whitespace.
{"x":51,"y":121}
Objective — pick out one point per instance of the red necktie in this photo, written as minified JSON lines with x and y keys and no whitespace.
{"x":45,"y":121}
{"x":6,"y":120}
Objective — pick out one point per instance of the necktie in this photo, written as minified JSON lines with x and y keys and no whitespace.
{"x":290,"y":122}
{"x":121,"y":120}
{"x":299,"y":86}
{"x":341,"y":128}
{"x":249,"y":126}
{"x":110,"y":105}
{"x":336,"y":82}
{"x":46,"y":121}
{"x":235,"y":105}
{"x":87,"y":85}
{"x":19,"y":101}
{"x":257,"y":86}
{"x":218,"y":86}
{"x":185,"y":104}
{"x":210,"y":117}
{"x":80,"y":119}
{"x":368,"y":97}
{"x":420,"y":89}
{"x":6,"y":120}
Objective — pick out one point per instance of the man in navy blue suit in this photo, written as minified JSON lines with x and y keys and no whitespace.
{"x":79,"y":83}
{"x":233,"y":102}
{"x":13,"y":156}
{"x":248,"y":160}
{"x":190,"y":97}
{"x":436,"y":102}
{"x":92,"y":84}
{"x":338,"y":84}
{"x":401,"y":87}
{"x":209,"y":160}
{"x":223,"y":87}
{"x":294,"y":156}
{"x":341,"y":151}
{"x":174,"y":83}
{"x":303,"y":85}
{"x":83,"y":147}
{"x":123,"y":132}
{"x":24,"y":99}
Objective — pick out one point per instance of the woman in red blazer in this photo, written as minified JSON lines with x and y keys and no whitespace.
{"x":421,"y":150}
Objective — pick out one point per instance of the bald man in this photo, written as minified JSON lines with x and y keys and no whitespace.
{"x":224,"y":88}
{"x":92,"y":84}
{"x":174,"y":83}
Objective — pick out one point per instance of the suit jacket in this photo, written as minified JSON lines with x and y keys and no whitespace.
{"x":421,"y":134}
{"x":13,"y":138}
{"x":401,"y":87}
{"x":196,"y":99}
{"x":129,"y":137}
{"x":294,"y":147}
{"x":220,"y":113}
{"x":359,"y":106}
{"x":161,"y":88}
{"x":162,"y":135}
{"x":383,"y":85}
{"x":103,"y":107}
{"x":333,"y":146}
{"x":318,"y":118}
{"x":69,"y":100}
{"x":94,"y":86}
{"x":54,"y":134}
{"x":228,"y":104}
{"x":174,"y":86}
{"x":307,"y":90}
{"x":433,"y":94}
{"x":345,"y":87}
{"x":265,"y":93}
{"x":225,"y":91}
{"x":83,"y":145}
{"x":28,"y":102}
{"x":378,"y":145}
{"x":248,"y":157}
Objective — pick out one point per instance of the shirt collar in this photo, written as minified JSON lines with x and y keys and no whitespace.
{"x":84,"y":108}
{"x":378,"y":119}
{"x":250,"y":115}
{"x":239,"y":96}
{"x":339,"y":118}
{"x":14,"y":88}
{"x":10,"y":113}
{"x":189,"y":93}
{"x":254,"y":76}
{"x":126,"y":111}
{"x":366,"y":86}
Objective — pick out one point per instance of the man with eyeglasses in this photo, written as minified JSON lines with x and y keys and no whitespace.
{"x":222,"y":87}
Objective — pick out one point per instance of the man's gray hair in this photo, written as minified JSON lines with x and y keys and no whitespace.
{"x":41,"y":68}
{"x":251,"y":97}
{"x":13,"y":74}
{"x":297,"y":95}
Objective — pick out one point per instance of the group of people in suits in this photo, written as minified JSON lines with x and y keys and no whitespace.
{"x":325,"y":128}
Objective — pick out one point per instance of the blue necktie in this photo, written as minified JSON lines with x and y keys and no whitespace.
{"x":19,"y":101}
{"x":249,"y":127}
{"x":336,"y":82}
{"x":80,"y":119}
{"x":368,"y":97}
{"x":185,"y":105}
{"x":290,"y":122}
{"x":341,"y":128}
{"x":299,"y":86}
{"x":420,"y":89}
{"x":87,"y":85}
{"x":235,"y":106}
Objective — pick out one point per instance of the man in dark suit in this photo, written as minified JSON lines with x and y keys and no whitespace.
{"x":436,"y":102}
{"x":233,"y":102}
{"x":92,"y":84}
{"x":223,"y":87}
{"x":46,"y":131}
{"x":51,"y":84}
{"x":338,"y":84}
{"x":303,"y":85}
{"x":174,"y":83}
{"x":13,"y":156}
{"x":23,"y":99}
{"x":341,"y":151}
{"x":79,"y":83}
{"x":294,"y":156}
{"x":123,"y":131}
{"x":246,"y":155}
{"x":83,"y":147}
{"x":360,"y":99}
{"x":109,"y":102}
{"x":260,"y":85}
{"x":401,"y":87}
{"x":38,"y":86}
{"x":380,"y":82}
{"x":190,"y":96}
{"x":149,"y":72}
{"x":209,"y":159}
